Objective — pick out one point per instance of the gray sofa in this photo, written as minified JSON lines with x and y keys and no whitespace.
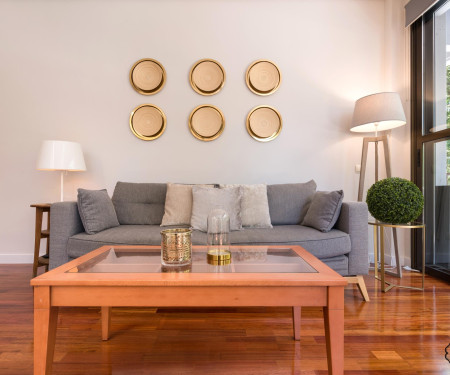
{"x":344,"y":248}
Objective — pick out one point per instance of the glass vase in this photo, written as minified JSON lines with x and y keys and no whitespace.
{"x":218,"y":237}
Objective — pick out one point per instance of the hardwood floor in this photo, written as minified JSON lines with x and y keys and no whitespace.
{"x":400,"y":332}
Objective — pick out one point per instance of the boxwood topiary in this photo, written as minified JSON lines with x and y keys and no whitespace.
{"x":395,"y":200}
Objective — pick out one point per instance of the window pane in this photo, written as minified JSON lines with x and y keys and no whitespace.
{"x":441,"y":71}
{"x":437,"y":204}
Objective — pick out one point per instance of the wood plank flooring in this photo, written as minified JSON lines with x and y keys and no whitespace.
{"x":400,"y":332}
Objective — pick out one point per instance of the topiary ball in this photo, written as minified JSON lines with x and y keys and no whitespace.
{"x":395,"y":200}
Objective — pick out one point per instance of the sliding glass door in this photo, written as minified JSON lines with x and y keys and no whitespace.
{"x":431,"y":133}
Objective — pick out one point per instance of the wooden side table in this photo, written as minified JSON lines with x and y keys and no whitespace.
{"x":380,"y":226}
{"x":40,"y":234}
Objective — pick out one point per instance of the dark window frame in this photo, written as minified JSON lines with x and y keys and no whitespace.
{"x":422,"y":92}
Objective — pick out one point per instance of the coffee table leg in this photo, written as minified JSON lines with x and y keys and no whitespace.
{"x":296,"y":321}
{"x":45,"y":320}
{"x":333,"y":315}
{"x":106,"y":322}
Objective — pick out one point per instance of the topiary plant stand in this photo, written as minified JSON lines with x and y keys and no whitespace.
{"x":384,"y":140}
{"x":379,"y":226}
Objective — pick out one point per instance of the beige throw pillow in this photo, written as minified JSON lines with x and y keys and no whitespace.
{"x":254,"y":206}
{"x":178,"y":206}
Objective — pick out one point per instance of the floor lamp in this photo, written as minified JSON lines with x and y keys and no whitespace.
{"x":375,"y":113}
{"x":61,"y":156}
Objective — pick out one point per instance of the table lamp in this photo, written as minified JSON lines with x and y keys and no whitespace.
{"x":61,"y":156}
{"x":374,"y":113}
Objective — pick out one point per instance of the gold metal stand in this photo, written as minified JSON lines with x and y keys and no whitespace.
{"x":378,"y":225}
{"x":383,"y":139}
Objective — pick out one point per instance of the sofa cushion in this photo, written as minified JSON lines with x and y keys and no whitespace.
{"x":288,"y":203}
{"x":139,"y":203}
{"x":324,"y":210}
{"x":254,"y":206}
{"x":206,"y":199}
{"x":322,"y":245}
{"x":82,"y":243}
{"x":96,"y":210}
{"x":338,"y":264}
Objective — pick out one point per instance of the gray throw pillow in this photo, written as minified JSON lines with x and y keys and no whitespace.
{"x":324,"y":210}
{"x":288,"y":203}
{"x":206,"y":199}
{"x":96,"y":210}
{"x":254,"y":206}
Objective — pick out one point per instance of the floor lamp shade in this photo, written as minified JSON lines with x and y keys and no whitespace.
{"x":378,"y":112}
{"x":61,"y":156}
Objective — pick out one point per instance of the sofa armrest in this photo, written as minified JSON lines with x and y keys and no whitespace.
{"x":353,"y":220}
{"x":65,"y":221}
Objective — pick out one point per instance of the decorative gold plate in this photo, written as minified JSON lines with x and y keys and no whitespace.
{"x":207,"y":77}
{"x":147,"y":122}
{"x":263,"y":77}
{"x":264,"y":123}
{"x":206,"y":122}
{"x":147,"y":76}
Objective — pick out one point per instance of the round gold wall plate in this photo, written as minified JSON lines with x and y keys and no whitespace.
{"x":147,"y":122}
{"x":207,"y":77}
{"x":263,"y":77}
{"x":264,"y":123}
{"x":147,"y":76}
{"x":206,"y":122}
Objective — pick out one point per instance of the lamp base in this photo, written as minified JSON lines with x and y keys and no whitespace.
{"x":218,"y":257}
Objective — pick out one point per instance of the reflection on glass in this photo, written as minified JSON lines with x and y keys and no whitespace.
{"x":441,"y":70}
{"x":437,"y":204}
{"x":176,"y":269}
{"x":243,"y":260}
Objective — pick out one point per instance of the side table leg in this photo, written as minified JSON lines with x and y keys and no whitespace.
{"x":296,"y":320}
{"x":383,"y":284}
{"x":45,"y":320}
{"x":106,"y":322}
{"x":37,"y":239}
{"x":333,"y":315}
{"x":423,"y":257}
{"x":375,"y":249}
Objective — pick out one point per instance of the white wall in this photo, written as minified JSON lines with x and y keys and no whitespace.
{"x":64,"y":75}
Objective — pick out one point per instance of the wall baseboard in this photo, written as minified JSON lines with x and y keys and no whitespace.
{"x":16,"y":258}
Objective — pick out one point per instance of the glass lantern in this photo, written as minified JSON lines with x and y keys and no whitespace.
{"x":218,"y":237}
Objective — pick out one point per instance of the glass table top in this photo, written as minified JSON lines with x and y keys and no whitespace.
{"x":243,"y":260}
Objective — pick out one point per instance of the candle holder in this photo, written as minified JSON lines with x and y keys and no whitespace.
{"x":176,"y":247}
{"x":218,"y":237}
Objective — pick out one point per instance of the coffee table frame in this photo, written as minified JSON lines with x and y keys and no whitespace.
{"x":59,"y":288}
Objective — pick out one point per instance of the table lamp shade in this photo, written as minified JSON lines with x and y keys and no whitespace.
{"x":61,"y":156}
{"x":378,"y":112}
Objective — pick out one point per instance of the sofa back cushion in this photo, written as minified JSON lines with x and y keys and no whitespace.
{"x":288,"y":203}
{"x":139,"y":203}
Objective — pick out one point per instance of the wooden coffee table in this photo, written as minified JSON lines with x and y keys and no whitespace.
{"x":133,"y":276}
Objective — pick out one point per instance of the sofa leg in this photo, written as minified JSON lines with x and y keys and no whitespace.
{"x":359,"y":281}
